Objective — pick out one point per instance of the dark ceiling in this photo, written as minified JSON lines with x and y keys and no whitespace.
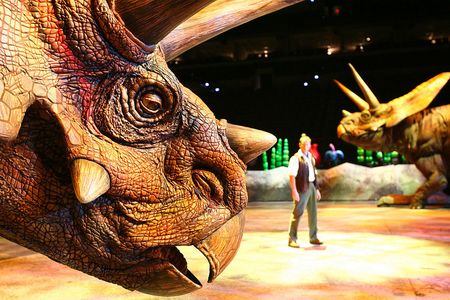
{"x":265,"y":70}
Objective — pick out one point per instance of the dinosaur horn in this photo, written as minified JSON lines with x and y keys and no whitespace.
{"x":151,"y":20}
{"x":17,"y":94}
{"x":247,"y":142}
{"x":214,"y":19}
{"x":416,"y":100}
{"x":11,"y":119}
{"x":368,"y":94}
{"x":90,"y":180}
{"x":346,"y":113}
{"x":362,"y":105}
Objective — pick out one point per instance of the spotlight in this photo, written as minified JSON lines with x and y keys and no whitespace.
{"x":316,"y":76}
{"x":217,"y":90}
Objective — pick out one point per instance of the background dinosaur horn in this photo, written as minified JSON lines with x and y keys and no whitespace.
{"x":368,"y":94}
{"x":151,"y":20}
{"x":346,"y":113}
{"x":214,"y":19}
{"x":362,"y":105}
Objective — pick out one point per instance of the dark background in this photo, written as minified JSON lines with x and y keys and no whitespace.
{"x":394,"y":45}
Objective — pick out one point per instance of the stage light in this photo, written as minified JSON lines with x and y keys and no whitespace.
{"x":217,"y":90}
{"x":305,"y":84}
{"x":206,"y":84}
{"x":316,"y":76}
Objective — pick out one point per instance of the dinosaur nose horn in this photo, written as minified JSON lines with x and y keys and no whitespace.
{"x":247,"y":142}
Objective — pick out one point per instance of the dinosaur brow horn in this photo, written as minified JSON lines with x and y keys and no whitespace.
{"x":151,"y":20}
{"x":215,"y":19}
{"x":368,"y":94}
{"x":362,"y":105}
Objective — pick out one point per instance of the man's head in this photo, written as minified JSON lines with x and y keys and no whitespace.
{"x":304,"y":143}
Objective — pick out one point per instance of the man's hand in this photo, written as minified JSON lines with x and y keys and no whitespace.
{"x":295,"y":196}
{"x":294,"y":192}
{"x":318,"y":195}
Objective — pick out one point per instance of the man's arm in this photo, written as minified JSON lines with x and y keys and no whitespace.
{"x":316,"y":183}
{"x":294,"y":192}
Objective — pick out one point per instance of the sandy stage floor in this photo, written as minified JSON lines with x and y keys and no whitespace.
{"x":369,"y":253}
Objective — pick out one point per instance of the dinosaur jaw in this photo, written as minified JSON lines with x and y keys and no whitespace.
{"x":174,"y":278}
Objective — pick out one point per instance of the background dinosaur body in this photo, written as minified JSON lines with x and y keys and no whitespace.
{"x":404,"y":125}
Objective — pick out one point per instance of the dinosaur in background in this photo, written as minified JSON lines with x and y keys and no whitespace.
{"x":406,"y":126}
{"x":107,"y":162}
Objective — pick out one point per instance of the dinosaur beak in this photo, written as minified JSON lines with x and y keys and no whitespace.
{"x":341,"y":130}
{"x":219,"y":249}
{"x":247,"y":142}
{"x":221,"y":246}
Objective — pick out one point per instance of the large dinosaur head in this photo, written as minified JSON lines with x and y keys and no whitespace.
{"x":367,"y":128}
{"x":107,"y":161}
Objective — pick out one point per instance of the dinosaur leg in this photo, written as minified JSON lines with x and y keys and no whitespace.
{"x":434,"y":183}
{"x":394,"y":199}
{"x":433,"y":169}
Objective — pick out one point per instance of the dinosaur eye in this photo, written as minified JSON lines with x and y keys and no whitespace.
{"x":365,"y":116}
{"x":151,"y":103}
{"x":136,"y":110}
{"x":148,"y":102}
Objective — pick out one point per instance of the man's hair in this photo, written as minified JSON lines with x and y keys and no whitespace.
{"x":304,"y":138}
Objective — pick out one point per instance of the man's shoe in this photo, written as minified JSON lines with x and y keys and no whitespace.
{"x":293,"y":244}
{"x":315,"y":242}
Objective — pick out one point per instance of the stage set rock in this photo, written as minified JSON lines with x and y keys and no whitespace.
{"x":406,"y":126}
{"x":107,"y":161}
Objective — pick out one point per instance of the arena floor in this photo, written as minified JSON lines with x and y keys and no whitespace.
{"x":369,"y":253}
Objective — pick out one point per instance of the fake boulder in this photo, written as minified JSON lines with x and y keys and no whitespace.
{"x":343,"y":182}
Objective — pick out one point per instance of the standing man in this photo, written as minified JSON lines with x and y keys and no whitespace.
{"x":304,"y":190}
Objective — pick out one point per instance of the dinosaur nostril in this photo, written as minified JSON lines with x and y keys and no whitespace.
{"x":207,"y":185}
{"x":247,"y":142}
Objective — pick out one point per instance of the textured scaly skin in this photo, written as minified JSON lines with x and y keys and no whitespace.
{"x":174,"y":178}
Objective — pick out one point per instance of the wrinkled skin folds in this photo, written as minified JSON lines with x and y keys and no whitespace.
{"x":107,"y":161}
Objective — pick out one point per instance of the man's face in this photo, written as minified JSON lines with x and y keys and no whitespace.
{"x":305,"y":146}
